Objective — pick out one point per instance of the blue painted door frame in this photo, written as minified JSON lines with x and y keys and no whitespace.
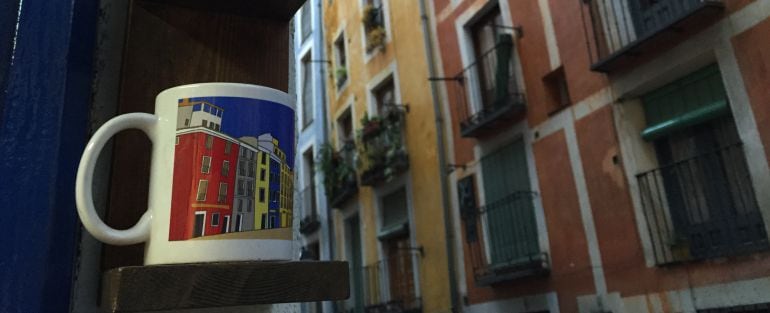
{"x":45,"y":92}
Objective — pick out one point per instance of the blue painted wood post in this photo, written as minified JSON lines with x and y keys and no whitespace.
{"x":44,"y":109}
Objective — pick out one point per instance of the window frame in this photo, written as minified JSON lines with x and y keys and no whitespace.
{"x":205,"y":184}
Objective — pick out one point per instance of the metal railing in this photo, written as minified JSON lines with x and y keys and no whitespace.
{"x":487,"y":90}
{"x":615,"y":26}
{"x":389,"y":284}
{"x":502,"y":239}
{"x":702,"y":207}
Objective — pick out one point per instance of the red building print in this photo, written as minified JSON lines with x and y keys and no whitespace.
{"x":204,"y":183}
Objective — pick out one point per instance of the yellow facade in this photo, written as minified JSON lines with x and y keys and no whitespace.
{"x":261,"y":194}
{"x":403,"y":58}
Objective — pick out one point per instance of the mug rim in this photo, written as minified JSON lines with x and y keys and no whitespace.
{"x":257,"y":91}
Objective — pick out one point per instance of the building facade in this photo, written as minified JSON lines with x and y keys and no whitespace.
{"x":381,"y":178}
{"x":314,"y":231}
{"x":609,"y":155}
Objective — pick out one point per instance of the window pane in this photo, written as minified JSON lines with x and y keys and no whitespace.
{"x":202,"y":186}
{"x":205,"y":164}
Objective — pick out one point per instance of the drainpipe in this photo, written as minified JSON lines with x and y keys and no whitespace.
{"x":319,"y":46}
{"x":448,"y":226}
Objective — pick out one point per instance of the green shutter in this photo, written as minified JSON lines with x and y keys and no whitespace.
{"x":510,"y":218}
{"x":697,"y":98}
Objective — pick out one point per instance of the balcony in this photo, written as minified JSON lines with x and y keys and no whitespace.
{"x":623,"y":32}
{"x":509,"y":228}
{"x":384,"y":152}
{"x":339,"y":173}
{"x":488,"y":97}
{"x":701,"y":208}
{"x":310,"y":221}
{"x":390,"y":284}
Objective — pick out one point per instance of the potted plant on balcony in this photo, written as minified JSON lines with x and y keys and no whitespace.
{"x":375,"y":38}
{"x":339,"y":175}
{"x":370,"y":17}
{"x":341,"y":74}
{"x":384,"y":151}
{"x":370,"y":127}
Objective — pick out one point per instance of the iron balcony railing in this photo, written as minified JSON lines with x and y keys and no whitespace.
{"x":618,"y":28}
{"x":310,"y":221}
{"x":702,"y":207}
{"x":390,"y":284}
{"x":502,"y":239}
{"x":487,"y":92}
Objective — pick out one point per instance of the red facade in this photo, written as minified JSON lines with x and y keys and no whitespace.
{"x":203,"y":191}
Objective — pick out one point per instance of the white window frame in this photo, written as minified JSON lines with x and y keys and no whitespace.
{"x":226,"y":223}
{"x":463,"y":24}
{"x":388,"y":33}
{"x":390,"y":72}
{"x":217,"y":215}
{"x":203,"y":164}
{"x":203,"y":228}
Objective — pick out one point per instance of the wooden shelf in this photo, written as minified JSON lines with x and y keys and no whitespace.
{"x":270,"y":9}
{"x":208,"y":285}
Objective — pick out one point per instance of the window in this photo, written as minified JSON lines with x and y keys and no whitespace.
{"x":187,"y":122}
{"x":307,"y":92}
{"x":345,"y":126}
{"x":240,"y":204}
{"x":205,"y":164}
{"x":251,"y":169}
{"x":485,"y":35}
{"x":261,"y":195}
{"x":242,"y":167}
{"x":225,"y":168}
{"x":374,"y":25}
{"x":241,"y":188}
{"x":205,"y":123}
{"x":228,"y":147}
{"x":202,"y":186}
{"x":209,"y":142}
{"x":384,"y":96}
{"x":264,"y":158}
{"x":702,"y":187}
{"x":509,"y":211}
{"x":250,"y":189}
{"x":222,"y":198}
{"x":262,"y":175}
{"x":340,"y":58}
{"x":215,"y":219}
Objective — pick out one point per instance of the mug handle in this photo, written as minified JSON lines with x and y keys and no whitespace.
{"x":83,"y":184}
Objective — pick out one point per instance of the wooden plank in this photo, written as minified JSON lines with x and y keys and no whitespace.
{"x":209,"y":285}
{"x":168,"y":46}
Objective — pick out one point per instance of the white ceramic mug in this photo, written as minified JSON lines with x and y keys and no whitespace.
{"x":220,"y":179}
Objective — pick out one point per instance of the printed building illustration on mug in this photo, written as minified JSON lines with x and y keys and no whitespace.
{"x":224,"y":184}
